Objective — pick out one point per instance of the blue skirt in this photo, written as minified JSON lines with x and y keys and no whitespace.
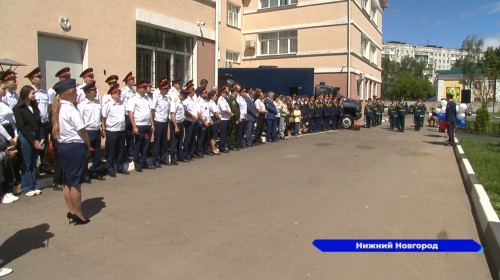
{"x":72,"y":159}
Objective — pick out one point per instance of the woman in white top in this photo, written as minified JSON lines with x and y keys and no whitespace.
{"x":216,"y":120}
{"x":73,"y":143}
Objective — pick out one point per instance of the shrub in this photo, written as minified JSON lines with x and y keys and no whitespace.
{"x":482,"y":120}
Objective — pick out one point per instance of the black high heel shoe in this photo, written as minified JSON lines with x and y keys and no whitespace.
{"x":70,"y":218}
{"x":78,"y":221}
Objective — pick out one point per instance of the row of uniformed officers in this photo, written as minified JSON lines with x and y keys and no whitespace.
{"x":397,"y":111}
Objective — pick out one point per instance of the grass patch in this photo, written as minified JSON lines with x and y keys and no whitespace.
{"x":496,"y":114}
{"x":485,"y":159}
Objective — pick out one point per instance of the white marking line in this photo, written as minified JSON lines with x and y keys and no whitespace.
{"x":469,"y":168}
{"x":460,"y":150}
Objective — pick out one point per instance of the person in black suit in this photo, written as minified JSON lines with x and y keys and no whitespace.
{"x":29,"y":124}
{"x":451,"y":118}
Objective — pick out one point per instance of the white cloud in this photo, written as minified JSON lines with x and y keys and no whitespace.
{"x":492,"y":41}
{"x":489,"y":9}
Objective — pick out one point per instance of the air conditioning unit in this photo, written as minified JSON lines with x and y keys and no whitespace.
{"x":250,"y":44}
{"x":229,"y":64}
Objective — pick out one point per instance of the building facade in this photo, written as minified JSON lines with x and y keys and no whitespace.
{"x":435,"y":58}
{"x":191,"y":39}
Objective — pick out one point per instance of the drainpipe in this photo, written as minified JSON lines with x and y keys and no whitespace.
{"x":216,"y":62}
{"x":349,"y":48}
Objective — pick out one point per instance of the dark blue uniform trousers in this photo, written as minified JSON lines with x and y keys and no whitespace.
{"x":115,"y":141}
{"x":161,"y":142}
{"x":141,"y":146}
{"x":95,"y":143}
{"x":176,"y":143}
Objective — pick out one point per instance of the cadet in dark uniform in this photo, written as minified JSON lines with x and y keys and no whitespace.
{"x":380,"y":111}
{"x":369,"y":113}
{"x":401,"y":109}
{"x":451,"y":119}
{"x":234,"y":122}
{"x":392,"y":114}
{"x":417,"y":113}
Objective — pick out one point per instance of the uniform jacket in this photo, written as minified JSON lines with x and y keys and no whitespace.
{"x":451,"y":111}
{"x":271,"y":109}
{"x":251,"y":109}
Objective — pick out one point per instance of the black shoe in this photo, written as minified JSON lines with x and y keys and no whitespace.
{"x":126,"y":172}
{"x":138,"y":169}
{"x":88,"y":180}
{"x":78,"y":221}
{"x":70,"y":218}
{"x":98,"y":177}
{"x":164,"y":163}
{"x":158,"y":165}
{"x":149,"y":167}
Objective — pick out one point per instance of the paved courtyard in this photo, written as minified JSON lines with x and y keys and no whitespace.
{"x":253,"y":214}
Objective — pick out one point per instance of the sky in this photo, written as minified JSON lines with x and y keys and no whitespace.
{"x":443,"y":23}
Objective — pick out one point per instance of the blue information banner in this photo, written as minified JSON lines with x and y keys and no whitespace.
{"x":397,"y":245}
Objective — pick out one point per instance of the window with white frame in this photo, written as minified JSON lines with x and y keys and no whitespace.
{"x":373,"y":54}
{"x":365,"y":46}
{"x":282,"y":42}
{"x":233,"y":56}
{"x":364,"y":4}
{"x":233,"y":15}
{"x":373,"y":12}
{"x":276,"y":3}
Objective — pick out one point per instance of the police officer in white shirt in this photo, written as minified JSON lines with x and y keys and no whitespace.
{"x":91,"y":113}
{"x":43,"y":101}
{"x":111,"y":81}
{"x":159,"y":113}
{"x":88,"y":76}
{"x":139,"y":110}
{"x":113,"y":122}
{"x":226,"y":114}
{"x":128,"y":92}
{"x":190,"y":123}
{"x":241,"y":141}
{"x":177,"y":116}
{"x":204,"y":122}
{"x":11,"y":97}
{"x":174,"y":91}
{"x":215,"y":120}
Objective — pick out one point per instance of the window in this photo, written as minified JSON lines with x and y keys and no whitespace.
{"x":373,"y":12}
{"x":233,"y":56}
{"x":233,"y":15}
{"x":276,"y":3}
{"x":283,"y":42}
{"x":373,"y":54}
{"x":364,"y":4}
{"x":365,"y":47}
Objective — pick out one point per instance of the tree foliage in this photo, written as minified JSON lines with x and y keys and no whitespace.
{"x":473,"y":44}
{"x":405,"y":78}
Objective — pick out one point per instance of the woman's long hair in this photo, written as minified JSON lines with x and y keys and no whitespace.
{"x":56,"y":107}
{"x":23,"y":96}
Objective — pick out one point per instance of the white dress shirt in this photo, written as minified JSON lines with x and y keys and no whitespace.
{"x":70,"y":122}
{"x":141,"y":107}
{"x":161,"y":107}
{"x":43,"y":101}
{"x":114,"y":112}
{"x":91,"y":114}
{"x":224,"y":106}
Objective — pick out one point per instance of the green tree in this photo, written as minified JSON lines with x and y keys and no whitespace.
{"x":405,"y":78}
{"x":473,"y":44}
{"x":490,"y":65}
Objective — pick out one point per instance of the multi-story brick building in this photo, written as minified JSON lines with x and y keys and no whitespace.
{"x":191,"y":39}
{"x":436,"y":58}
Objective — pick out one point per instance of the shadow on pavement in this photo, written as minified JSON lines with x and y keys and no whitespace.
{"x":434,"y":135}
{"x":25,"y":240}
{"x":439,"y":143}
{"x":93,"y":206}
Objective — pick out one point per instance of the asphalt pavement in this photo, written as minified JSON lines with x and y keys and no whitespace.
{"x":253,"y":214}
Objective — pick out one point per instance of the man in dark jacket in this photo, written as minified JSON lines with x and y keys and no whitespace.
{"x":451,"y":118}
{"x":271,"y":129}
{"x":251,"y":117}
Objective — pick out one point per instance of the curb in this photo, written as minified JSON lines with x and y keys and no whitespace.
{"x":489,"y":223}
